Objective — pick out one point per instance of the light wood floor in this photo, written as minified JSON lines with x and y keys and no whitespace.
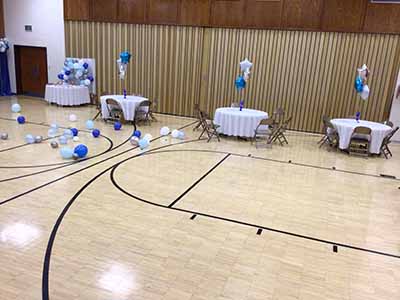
{"x":180,"y":220}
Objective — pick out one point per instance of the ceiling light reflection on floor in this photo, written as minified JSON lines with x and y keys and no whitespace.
{"x":118,"y":279}
{"x":19,"y":234}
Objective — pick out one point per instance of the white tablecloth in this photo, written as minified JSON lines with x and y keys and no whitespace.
{"x":128,"y":105}
{"x":67,"y":94}
{"x":234,"y":122}
{"x":345,"y":128}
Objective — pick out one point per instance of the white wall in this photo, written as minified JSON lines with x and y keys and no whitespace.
{"x":395,"y":113}
{"x":47,"y":20}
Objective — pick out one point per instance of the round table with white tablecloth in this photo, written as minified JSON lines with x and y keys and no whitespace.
{"x":345,"y":128}
{"x":128,"y":104}
{"x":66,"y":94}
{"x":234,"y":122}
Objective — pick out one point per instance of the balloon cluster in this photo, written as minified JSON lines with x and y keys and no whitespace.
{"x":4,"y":45}
{"x":76,"y":72}
{"x":79,"y":151}
{"x":360,"y":83}
{"x":123,"y":61}
{"x":242,"y":79}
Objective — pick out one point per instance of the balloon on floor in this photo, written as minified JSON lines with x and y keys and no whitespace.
{"x":66,"y":152}
{"x":96,"y":133}
{"x":15,"y":108}
{"x":81,"y":150}
{"x":21,"y":120}
{"x":89,"y":124}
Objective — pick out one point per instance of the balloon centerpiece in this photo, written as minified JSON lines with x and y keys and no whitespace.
{"x":361,"y":87}
{"x":123,"y":61}
{"x":242,"y":79}
{"x":76,"y":72}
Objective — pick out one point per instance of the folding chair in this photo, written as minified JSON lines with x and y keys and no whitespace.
{"x":94,"y":99}
{"x":360,"y":140}
{"x":208,"y":127}
{"x":331,"y":136}
{"x":142,"y":112}
{"x":235,"y":104}
{"x":115,"y":111}
{"x":264,"y":131}
{"x":196,"y":110}
{"x":278,"y":116}
{"x":386,"y":141}
{"x":280,"y":133}
{"x":152,"y":108}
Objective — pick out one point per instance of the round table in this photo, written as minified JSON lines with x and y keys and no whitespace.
{"x":128,"y":105}
{"x":345,"y":128}
{"x":234,"y":122}
{"x":66,"y":94}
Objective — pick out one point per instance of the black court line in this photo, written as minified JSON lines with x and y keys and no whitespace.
{"x":192,"y":212}
{"x":25,"y":144}
{"x":47,"y":258}
{"x":78,"y":171}
{"x":198,"y":181}
{"x":287,"y":162}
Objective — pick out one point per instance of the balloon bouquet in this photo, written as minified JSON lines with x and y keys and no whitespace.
{"x":123,"y":61}
{"x":361,"y":86}
{"x":241,"y":80}
{"x":76,"y":72}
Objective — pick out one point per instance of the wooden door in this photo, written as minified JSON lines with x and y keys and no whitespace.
{"x":31,"y":70}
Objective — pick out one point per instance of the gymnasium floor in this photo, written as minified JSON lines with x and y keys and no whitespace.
{"x":190,"y":219}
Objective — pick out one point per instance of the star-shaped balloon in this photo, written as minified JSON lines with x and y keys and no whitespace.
{"x":245,"y":65}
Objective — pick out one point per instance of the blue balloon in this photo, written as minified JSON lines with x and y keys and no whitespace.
{"x":66,"y":152}
{"x":67,"y":72}
{"x":85,"y":66}
{"x":125,"y":57}
{"x":358,"y":84}
{"x":137,"y":133}
{"x":81,"y":150}
{"x":96,"y":133}
{"x":60,"y":76}
{"x":74,"y":131}
{"x":62,"y":140}
{"x":89,"y":124}
{"x":29,"y":139}
{"x":117,"y":125}
{"x":91,"y":78}
{"x":21,"y":120}
{"x":143,"y":144}
{"x":240,"y":83}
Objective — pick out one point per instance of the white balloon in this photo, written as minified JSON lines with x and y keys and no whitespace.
{"x":181,"y":135}
{"x":245,"y":65}
{"x":175,"y":133}
{"x":73,"y":118}
{"x":77,"y":66}
{"x":75,"y":138}
{"x":66,"y":77}
{"x":164,"y":131}
{"x":148,"y":137}
{"x":365,"y":93}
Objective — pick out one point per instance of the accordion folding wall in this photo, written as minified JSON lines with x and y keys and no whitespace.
{"x":309,"y":74}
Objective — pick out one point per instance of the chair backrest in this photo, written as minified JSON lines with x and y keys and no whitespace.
{"x":154,"y":104}
{"x":362,"y":130}
{"x":104,"y":93}
{"x":112,"y":103}
{"x":266,"y":122}
{"x":145,"y":103}
{"x":235,"y":104}
{"x":389,"y":123}
{"x":286,"y":123}
{"x":278,"y":115}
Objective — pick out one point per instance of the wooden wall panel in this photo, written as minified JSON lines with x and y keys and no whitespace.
{"x":104,"y":10}
{"x":163,"y":11}
{"x":343,"y":15}
{"x":77,"y":9}
{"x":310,"y":74}
{"x":228,"y":13}
{"x":132,"y":11}
{"x":264,"y":13}
{"x":382,"y":18}
{"x":166,"y":62}
{"x":304,"y":14}
{"x":195,"y":12}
